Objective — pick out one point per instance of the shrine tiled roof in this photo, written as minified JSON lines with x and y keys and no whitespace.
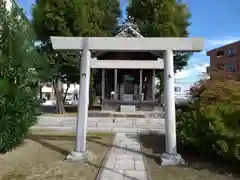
{"x":128,"y":31}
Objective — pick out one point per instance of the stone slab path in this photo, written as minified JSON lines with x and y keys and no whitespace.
{"x":124,"y":161}
{"x":103,"y":124}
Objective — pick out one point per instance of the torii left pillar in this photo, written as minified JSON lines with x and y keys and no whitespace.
{"x":80,"y":152}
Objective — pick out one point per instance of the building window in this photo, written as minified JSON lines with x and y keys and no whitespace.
{"x":177,"y":89}
{"x":220,"y":66}
{"x":220,"y":53}
{"x":230,"y":68}
{"x":232,"y":52}
{"x":208,"y":69}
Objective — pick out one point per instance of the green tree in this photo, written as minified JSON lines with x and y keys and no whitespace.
{"x":20,"y":73}
{"x":71,"y":18}
{"x":161,"y":18}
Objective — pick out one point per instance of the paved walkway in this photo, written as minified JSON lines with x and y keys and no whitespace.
{"x":125,"y":161}
{"x":103,"y":124}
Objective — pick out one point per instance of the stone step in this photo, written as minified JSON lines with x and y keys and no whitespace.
{"x":107,"y":125}
{"x":137,"y":114}
{"x":98,"y":119}
{"x":103,"y":122}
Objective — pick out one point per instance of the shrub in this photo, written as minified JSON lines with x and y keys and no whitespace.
{"x":210,"y":125}
{"x":18,"y":80}
{"x":17,"y":114}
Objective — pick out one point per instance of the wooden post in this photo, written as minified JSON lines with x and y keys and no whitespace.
{"x":115,"y":83}
{"x":140,"y":86}
{"x":103,"y":84}
{"x":153,"y":84}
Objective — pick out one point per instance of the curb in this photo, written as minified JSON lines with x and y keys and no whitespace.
{"x":110,"y":130}
{"x":105,"y":159}
{"x":149,"y":177}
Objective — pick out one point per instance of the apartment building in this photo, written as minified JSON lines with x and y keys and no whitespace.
{"x":225,"y":57}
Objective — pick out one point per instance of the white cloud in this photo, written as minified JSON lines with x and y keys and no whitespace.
{"x":192,"y":73}
{"x":182,"y":74}
{"x":213,"y":43}
{"x":202,"y":53}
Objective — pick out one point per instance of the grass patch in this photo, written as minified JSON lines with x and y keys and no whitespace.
{"x":196,"y":168}
{"x":42,"y":156}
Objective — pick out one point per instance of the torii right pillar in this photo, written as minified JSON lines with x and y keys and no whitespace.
{"x":170,"y":157}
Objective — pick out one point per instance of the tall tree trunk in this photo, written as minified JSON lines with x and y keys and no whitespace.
{"x":58,"y":93}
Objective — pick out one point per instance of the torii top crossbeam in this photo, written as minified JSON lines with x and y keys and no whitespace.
{"x":128,"y":44}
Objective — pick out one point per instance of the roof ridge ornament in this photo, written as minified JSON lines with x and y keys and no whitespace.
{"x":131,"y":24}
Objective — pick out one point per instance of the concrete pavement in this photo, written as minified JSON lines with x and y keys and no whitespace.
{"x":103,"y":124}
{"x":125,"y":161}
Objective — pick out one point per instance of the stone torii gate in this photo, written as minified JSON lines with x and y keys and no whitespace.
{"x":166,"y":45}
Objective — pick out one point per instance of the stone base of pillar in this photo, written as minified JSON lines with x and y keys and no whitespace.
{"x":171,"y":159}
{"x":77,"y":156}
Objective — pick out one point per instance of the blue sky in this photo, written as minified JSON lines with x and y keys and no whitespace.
{"x":215,"y":20}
